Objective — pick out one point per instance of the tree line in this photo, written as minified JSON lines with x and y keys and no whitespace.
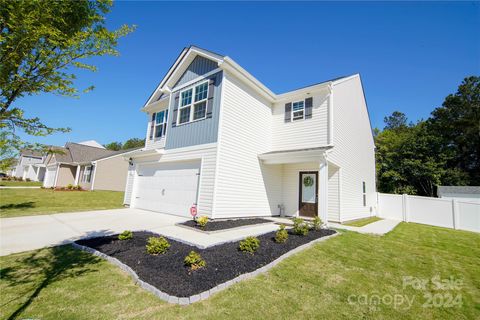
{"x":415,"y":158}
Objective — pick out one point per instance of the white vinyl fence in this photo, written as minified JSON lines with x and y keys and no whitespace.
{"x":448,"y":213}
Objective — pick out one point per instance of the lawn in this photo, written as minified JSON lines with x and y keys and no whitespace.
{"x":4,"y":183}
{"x":24,"y":202}
{"x":362,"y":222}
{"x":61,"y":283}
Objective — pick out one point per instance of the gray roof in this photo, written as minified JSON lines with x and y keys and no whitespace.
{"x":119,"y":152}
{"x":458,"y":189}
{"x":31,"y":153}
{"x":76,"y":153}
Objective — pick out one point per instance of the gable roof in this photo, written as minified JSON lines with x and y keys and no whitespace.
{"x":76,"y":153}
{"x":31,"y":153}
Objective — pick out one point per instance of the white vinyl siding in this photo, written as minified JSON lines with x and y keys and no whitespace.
{"x":244,"y":186}
{"x":290,"y":180}
{"x":298,"y":134}
{"x":155,"y":142}
{"x":333,"y":195}
{"x":353,"y":149}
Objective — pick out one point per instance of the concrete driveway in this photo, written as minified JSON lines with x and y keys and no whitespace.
{"x":34,"y":232}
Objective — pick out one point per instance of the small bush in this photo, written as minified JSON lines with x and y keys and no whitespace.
{"x":157,"y":245}
{"x":202,"y":221}
{"x":250,"y":244}
{"x":282,"y":235}
{"x":125,"y":235}
{"x":300,"y":227}
{"x":78,"y":187}
{"x":194,"y":261}
{"x":28,"y":179}
{"x":317,"y":223}
{"x":69,"y":186}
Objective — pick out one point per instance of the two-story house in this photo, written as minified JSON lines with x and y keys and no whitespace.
{"x":219,"y":139}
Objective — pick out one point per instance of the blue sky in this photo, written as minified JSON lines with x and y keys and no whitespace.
{"x":410,"y":56}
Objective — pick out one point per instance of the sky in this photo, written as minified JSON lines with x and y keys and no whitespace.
{"x":410,"y":56}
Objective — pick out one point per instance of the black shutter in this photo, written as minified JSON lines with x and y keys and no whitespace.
{"x":211,"y":88}
{"x":288,"y":112}
{"x":152,"y":124}
{"x":308,"y":107}
{"x":175,"y":109}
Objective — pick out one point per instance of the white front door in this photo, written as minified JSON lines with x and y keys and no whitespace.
{"x":49,"y":177}
{"x":168,"y":187}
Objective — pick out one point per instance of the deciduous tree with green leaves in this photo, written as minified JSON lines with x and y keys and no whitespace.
{"x":42,"y":44}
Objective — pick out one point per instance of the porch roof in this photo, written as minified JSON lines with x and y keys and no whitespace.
{"x":294,"y":155}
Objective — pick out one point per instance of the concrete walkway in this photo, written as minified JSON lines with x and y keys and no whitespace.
{"x":380,"y":227}
{"x":34,"y":232}
{"x":20,"y":187}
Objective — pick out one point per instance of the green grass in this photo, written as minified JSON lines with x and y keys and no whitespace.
{"x":4,"y":183}
{"x":362,"y":222}
{"x":25,"y":202}
{"x":61,"y":283}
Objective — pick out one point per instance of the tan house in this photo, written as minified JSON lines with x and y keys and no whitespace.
{"x":91,"y":166}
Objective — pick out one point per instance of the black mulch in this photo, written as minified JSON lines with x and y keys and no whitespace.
{"x":169,"y":274}
{"x":225,"y":224}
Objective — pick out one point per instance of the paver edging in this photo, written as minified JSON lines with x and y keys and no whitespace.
{"x":206,"y":294}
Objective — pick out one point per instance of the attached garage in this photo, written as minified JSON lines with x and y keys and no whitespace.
{"x":50,"y":177}
{"x":167,"y":187}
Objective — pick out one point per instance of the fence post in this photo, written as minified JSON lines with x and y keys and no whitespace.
{"x":378,"y":205}
{"x":405,"y":207}
{"x":455,"y":213}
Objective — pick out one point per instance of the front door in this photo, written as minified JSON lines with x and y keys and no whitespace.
{"x":308,"y":193}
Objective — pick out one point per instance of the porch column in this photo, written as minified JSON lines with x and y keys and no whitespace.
{"x":77,"y":175}
{"x":323,"y":191}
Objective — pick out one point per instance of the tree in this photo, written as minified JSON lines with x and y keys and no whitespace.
{"x":115,"y":146}
{"x":133,"y":143}
{"x":457,"y":123}
{"x":42,"y":43}
{"x":398,"y":120}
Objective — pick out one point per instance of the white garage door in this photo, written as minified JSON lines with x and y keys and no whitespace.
{"x":168,"y":188}
{"x":49,"y":177}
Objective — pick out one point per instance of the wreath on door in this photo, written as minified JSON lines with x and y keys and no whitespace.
{"x":308,"y":181}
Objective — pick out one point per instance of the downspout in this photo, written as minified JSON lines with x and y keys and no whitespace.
{"x":330,"y":115}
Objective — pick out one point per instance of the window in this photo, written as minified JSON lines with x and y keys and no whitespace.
{"x":199,"y":103}
{"x":87,"y":174}
{"x":161,"y":123}
{"x":298,"y":110}
{"x":364,"y":189}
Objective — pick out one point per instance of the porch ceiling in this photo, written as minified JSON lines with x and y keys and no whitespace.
{"x":294,"y":156}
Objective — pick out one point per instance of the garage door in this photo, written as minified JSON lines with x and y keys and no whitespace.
{"x":168,"y":188}
{"x":49,"y":177}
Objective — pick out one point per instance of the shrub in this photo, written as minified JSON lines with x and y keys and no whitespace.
{"x":250,"y":244}
{"x":78,"y":187}
{"x":282,"y":235}
{"x":28,"y":180}
{"x":317,"y":223}
{"x":194,"y":261}
{"x":125,"y":235}
{"x":202,"y":221}
{"x":69,"y":186}
{"x":300,"y":227}
{"x":157,"y":245}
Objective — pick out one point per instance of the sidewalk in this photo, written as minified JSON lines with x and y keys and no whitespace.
{"x":378,"y":228}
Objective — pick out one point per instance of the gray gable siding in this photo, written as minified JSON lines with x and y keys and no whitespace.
{"x":197,"y":68}
{"x":198,"y":132}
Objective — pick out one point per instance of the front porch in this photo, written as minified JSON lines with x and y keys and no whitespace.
{"x":309,"y":183}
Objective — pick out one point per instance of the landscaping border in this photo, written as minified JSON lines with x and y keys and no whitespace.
{"x":225,"y":230}
{"x":206,"y":294}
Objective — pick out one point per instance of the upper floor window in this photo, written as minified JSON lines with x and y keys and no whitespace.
{"x":161,"y":123}
{"x":198,"y":103}
{"x":298,"y":110}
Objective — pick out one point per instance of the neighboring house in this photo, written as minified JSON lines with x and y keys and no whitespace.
{"x":463,"y":193}
{"x":91,"y":167}
{"x":27,"y":166}
{"x":219,"y":139}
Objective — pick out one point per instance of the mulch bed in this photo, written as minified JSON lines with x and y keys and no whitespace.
{"x":168,"y":273}
{"x":217,"y":225}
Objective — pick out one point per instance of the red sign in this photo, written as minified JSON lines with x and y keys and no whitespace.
{"x":193,"y":210}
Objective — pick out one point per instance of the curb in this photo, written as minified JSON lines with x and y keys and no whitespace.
{"x":206,"y":294}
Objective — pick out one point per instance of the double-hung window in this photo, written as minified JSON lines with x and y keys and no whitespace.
{"x":87,"y":174}
{"x":364,"y":189}
{"x":298,"y":110}
{"x":193,"y":103}
{"x":161,"y":123}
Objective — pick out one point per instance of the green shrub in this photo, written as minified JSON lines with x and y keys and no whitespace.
{"x":69,"y":186}
{"x":194,"y":261}
{"x":300,"y":227}
{"x":157,"y":245}
{"x":78,"y":187}
{"x":28,"y":180}
{"x":250,"y":244}
{"x":317,"y":223}
{"x":202,"y":221}
{"x":282,"y":235}
{"x":125,"y":235}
